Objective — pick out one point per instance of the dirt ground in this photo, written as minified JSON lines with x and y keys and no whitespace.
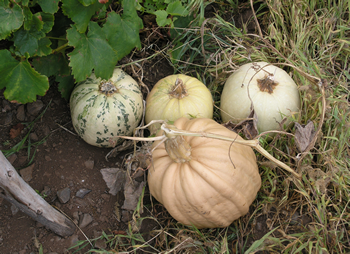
{"x":62,"y":161}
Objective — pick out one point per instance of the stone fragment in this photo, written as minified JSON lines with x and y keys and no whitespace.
{"x":85,"y":220}
{"x":35,"y":107}
{"x":63,"y":195}
{"x":21,"y":116}
{"x":89,"y":164}
{"x":26,"y":173}
{"x":82,"y":192}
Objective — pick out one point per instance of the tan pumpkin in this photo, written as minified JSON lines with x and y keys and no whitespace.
{"x":202,"y":181}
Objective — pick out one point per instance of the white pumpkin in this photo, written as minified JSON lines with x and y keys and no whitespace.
{"x":178,"y":96}
{"x":273,"y":93}
{"x":102,"y":110}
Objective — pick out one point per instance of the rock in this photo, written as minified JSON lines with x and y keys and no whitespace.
{"x":63,"y":195}
{"x":46,"y":191}
{"x":12,"y":158}
{"x":82,"y":192}
{"x":46,"y":130}
{"x":27,"y":172}
{"x":35,"y":107}
{"x":101,"y":244}
{"x":126,"y":216}
{"x":106,"y":197}
{"x":21,"y":116}
{"x":33,"y":137}
{"x":73,"y":240}
{"x":14,"y":209}
{"x":89,"y":164}
{"x":47,"y":158}
{"x":85,"y":220}
{"x":6,"y":106}
{"x":7,"y":120}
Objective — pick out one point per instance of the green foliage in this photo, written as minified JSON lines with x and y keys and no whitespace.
{"x":69,"y":39}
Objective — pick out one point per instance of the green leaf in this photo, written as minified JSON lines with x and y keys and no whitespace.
{"x":176,"y":9}
{"x":48,"y":20}
{"x":22,"y":82}
{"x":11,"y":19}
{"x":87,"y":2}
{"x":92,"y":51}
{"x":49,"y":6}
{"x":32,"y":22}
{"x":162,"y":18}
{"x":44,"y":47}
{"x":51,"y":65}
{"x":79,"y":13}
{"x":66,"y":85}
{"x":123,"y":31}
{"x":27,"y":41}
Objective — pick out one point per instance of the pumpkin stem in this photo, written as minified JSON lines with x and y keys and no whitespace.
{"x":108,"y":88}
{"x":267,"y":84}
{"x":178,"y":149}
{"x":171,"y":131}
{"x":179,"y":89}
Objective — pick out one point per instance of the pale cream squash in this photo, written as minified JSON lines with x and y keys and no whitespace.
{"x":178,"y":96}
{"x":273,"y":92}
{"x":202,"y":181}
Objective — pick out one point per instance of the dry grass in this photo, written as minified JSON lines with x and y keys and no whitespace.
{"x":310,"y":40}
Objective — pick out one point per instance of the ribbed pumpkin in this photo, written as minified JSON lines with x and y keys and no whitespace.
{"x":273,"y":92}
{"x":102,"y":110}
{"x":178,"y":96}
{"x":201,"y":181}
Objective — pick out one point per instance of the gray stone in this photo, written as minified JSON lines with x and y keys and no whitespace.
{"x":89,"y":164}
{"x":27,"y":173}
{"x":12,"y":158}
{"x":85,"y":220}
{"x":21,"y":116}
{"x":35,"y":107}
{"x":14,"y":209}
{"x":82,"y":192}
{"x":33,"y":137}
{"x":63,"y":195}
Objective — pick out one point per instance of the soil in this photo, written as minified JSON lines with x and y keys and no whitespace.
{"x":62,"y":161}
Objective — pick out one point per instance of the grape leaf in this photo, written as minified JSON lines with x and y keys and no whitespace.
{"x":49,"y":6}
{"x":10,"y":19}
{"x":51,"y":65}
{"x":176,"y":9}
{"x":162,"y":18}
{"x":123,"y":31}
{"x":27,"y":41}
{"x":79,"y":13}
{"x":92,"y":51}
{"x":31,"y":22}
{"x":22,"y":82}
{"x":87,"y":2}
{"x":66,"y":85}
{"x":48,"y":20}
{"x":44,"y":47}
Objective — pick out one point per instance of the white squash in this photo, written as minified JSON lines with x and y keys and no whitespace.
{"x":273,"y":93}
{"x":178,"y":96}
{"x":102,"y":110}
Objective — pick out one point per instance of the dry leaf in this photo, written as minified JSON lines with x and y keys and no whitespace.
{"x":16,"y":130}
{"x":114,"y":178}
{"x":132,"y":193}
{"x":250,"y":129}
{"x":304,"y":134}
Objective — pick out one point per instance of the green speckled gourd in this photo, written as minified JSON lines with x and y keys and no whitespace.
{"x":102,"y":110}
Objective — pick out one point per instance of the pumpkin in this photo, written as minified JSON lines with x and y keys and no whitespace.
{"x":202,"y":181}
{"x":102,"y":110}
{"x":178,"y":96}
{"x":273,"y":93}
